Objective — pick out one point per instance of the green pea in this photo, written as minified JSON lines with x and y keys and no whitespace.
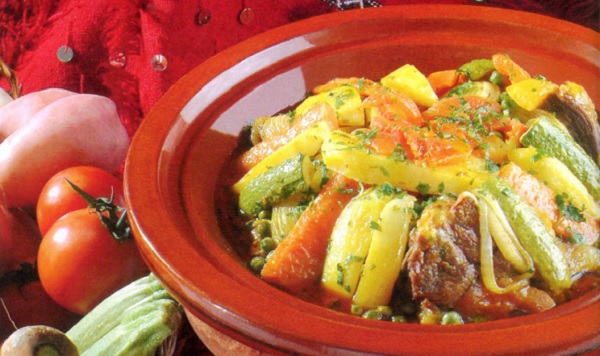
{"x":356,"y":309}
{"x":399,"y":319}
{"x":373,"y":314}
{"x":264,"y":215}
{"x":267,"y":244}
{"x":452,"y":318}
{"x":257,"y":264}
{"x":263,"y":227}
{"x":385,"y":310}
{"x":507,"y":103}
{"x":496,"y":78}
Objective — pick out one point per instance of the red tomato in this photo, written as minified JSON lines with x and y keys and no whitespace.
{"x":19,"y":238}
{"x":28,"y":305}
{"x":58,"y":197}
{"x":80,"y":263}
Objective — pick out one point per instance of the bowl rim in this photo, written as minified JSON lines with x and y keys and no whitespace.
{"x":219,"y":309}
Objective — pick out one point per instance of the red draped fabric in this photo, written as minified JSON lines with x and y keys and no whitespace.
{"x":114,"y":41}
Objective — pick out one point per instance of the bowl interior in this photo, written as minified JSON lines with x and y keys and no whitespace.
{"x":174,"y":162}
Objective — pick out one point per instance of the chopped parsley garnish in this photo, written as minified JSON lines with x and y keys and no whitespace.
{"x":567,"y":209}
{"x":374,"y":225}
{"x":423,"y":188}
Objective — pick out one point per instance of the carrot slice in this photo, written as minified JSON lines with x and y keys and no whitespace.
{"x":542,"y":198}
{"x":532,"y":190}
{"x":297,"y":263}
{"x":444,"y":80}
{"x":509,"y":68}
{"x":462,"y":106}
{"x":394,"y":106}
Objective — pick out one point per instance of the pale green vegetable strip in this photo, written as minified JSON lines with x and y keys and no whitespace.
{"x":533,"y":234}
{"x":343,"y":152}
{"x":350,"y":241}
{"x":487,"y":253}
{"x":505,"y":238}
{"x":477,"y":68}
{"x":141,"y":330}
{"x":107,"y":315}
{"x":276,"y":184}
{"x":283,"y":219}
{"x":552,"y":139}
{"x":386,"y":253}
{"x":557,"y":176}
{"x":307,"y":143}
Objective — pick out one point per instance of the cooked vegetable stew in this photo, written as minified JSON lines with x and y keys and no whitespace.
{"x":462,"y":196}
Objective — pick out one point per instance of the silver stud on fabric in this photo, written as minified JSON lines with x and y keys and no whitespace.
{"x":159,"y":62}
{"x":203,"y":17}
{"x":246,"y":16}
{"x":118,"y":60}
{"x":65,"y":54}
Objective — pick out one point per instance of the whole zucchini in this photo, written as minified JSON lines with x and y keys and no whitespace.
{"x":134,"y":320}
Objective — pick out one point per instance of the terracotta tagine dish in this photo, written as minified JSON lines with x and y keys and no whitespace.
{"x":178,"y":159}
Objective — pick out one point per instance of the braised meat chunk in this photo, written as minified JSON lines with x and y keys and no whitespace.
{"x":437,"y":266}
{"x":443,"y":266}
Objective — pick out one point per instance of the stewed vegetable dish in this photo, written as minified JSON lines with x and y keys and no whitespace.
{"x":462,"y":195}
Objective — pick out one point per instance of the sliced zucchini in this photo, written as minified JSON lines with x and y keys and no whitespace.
{"x":550,"y":138}
{"x":477,"y":68}
{"x":538,"y":241}
{"x":276,"y":184}
{"x":283,"y":219}
{"x":307,"y":143}
{"x":557,"y":176}
{"x":481,"y":89}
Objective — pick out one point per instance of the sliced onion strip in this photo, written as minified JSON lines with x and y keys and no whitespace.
{"x":487,"y":214}
{"x":506,"y":239}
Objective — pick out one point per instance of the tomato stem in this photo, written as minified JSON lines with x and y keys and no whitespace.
{"x":108,"y":212}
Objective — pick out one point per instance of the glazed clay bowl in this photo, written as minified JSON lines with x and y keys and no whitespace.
{"x":171,"y":175}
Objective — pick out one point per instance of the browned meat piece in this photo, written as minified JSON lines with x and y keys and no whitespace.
{"x":466,"y":227}
{"x":479,"y":303}
{"x":574,"y":108}
{"x":443,"y":267}
{"x":438,"y":268}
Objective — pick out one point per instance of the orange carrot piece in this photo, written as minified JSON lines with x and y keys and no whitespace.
{"x":509,"y":68}
{"x":444,"y":80}
{"x":395,"y":106}
{"x":532,"y":190}
{"x":542,"y":198}
{"x":589,"y":230}
{"x":465,"y":106}
{"x":297,"y":262}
